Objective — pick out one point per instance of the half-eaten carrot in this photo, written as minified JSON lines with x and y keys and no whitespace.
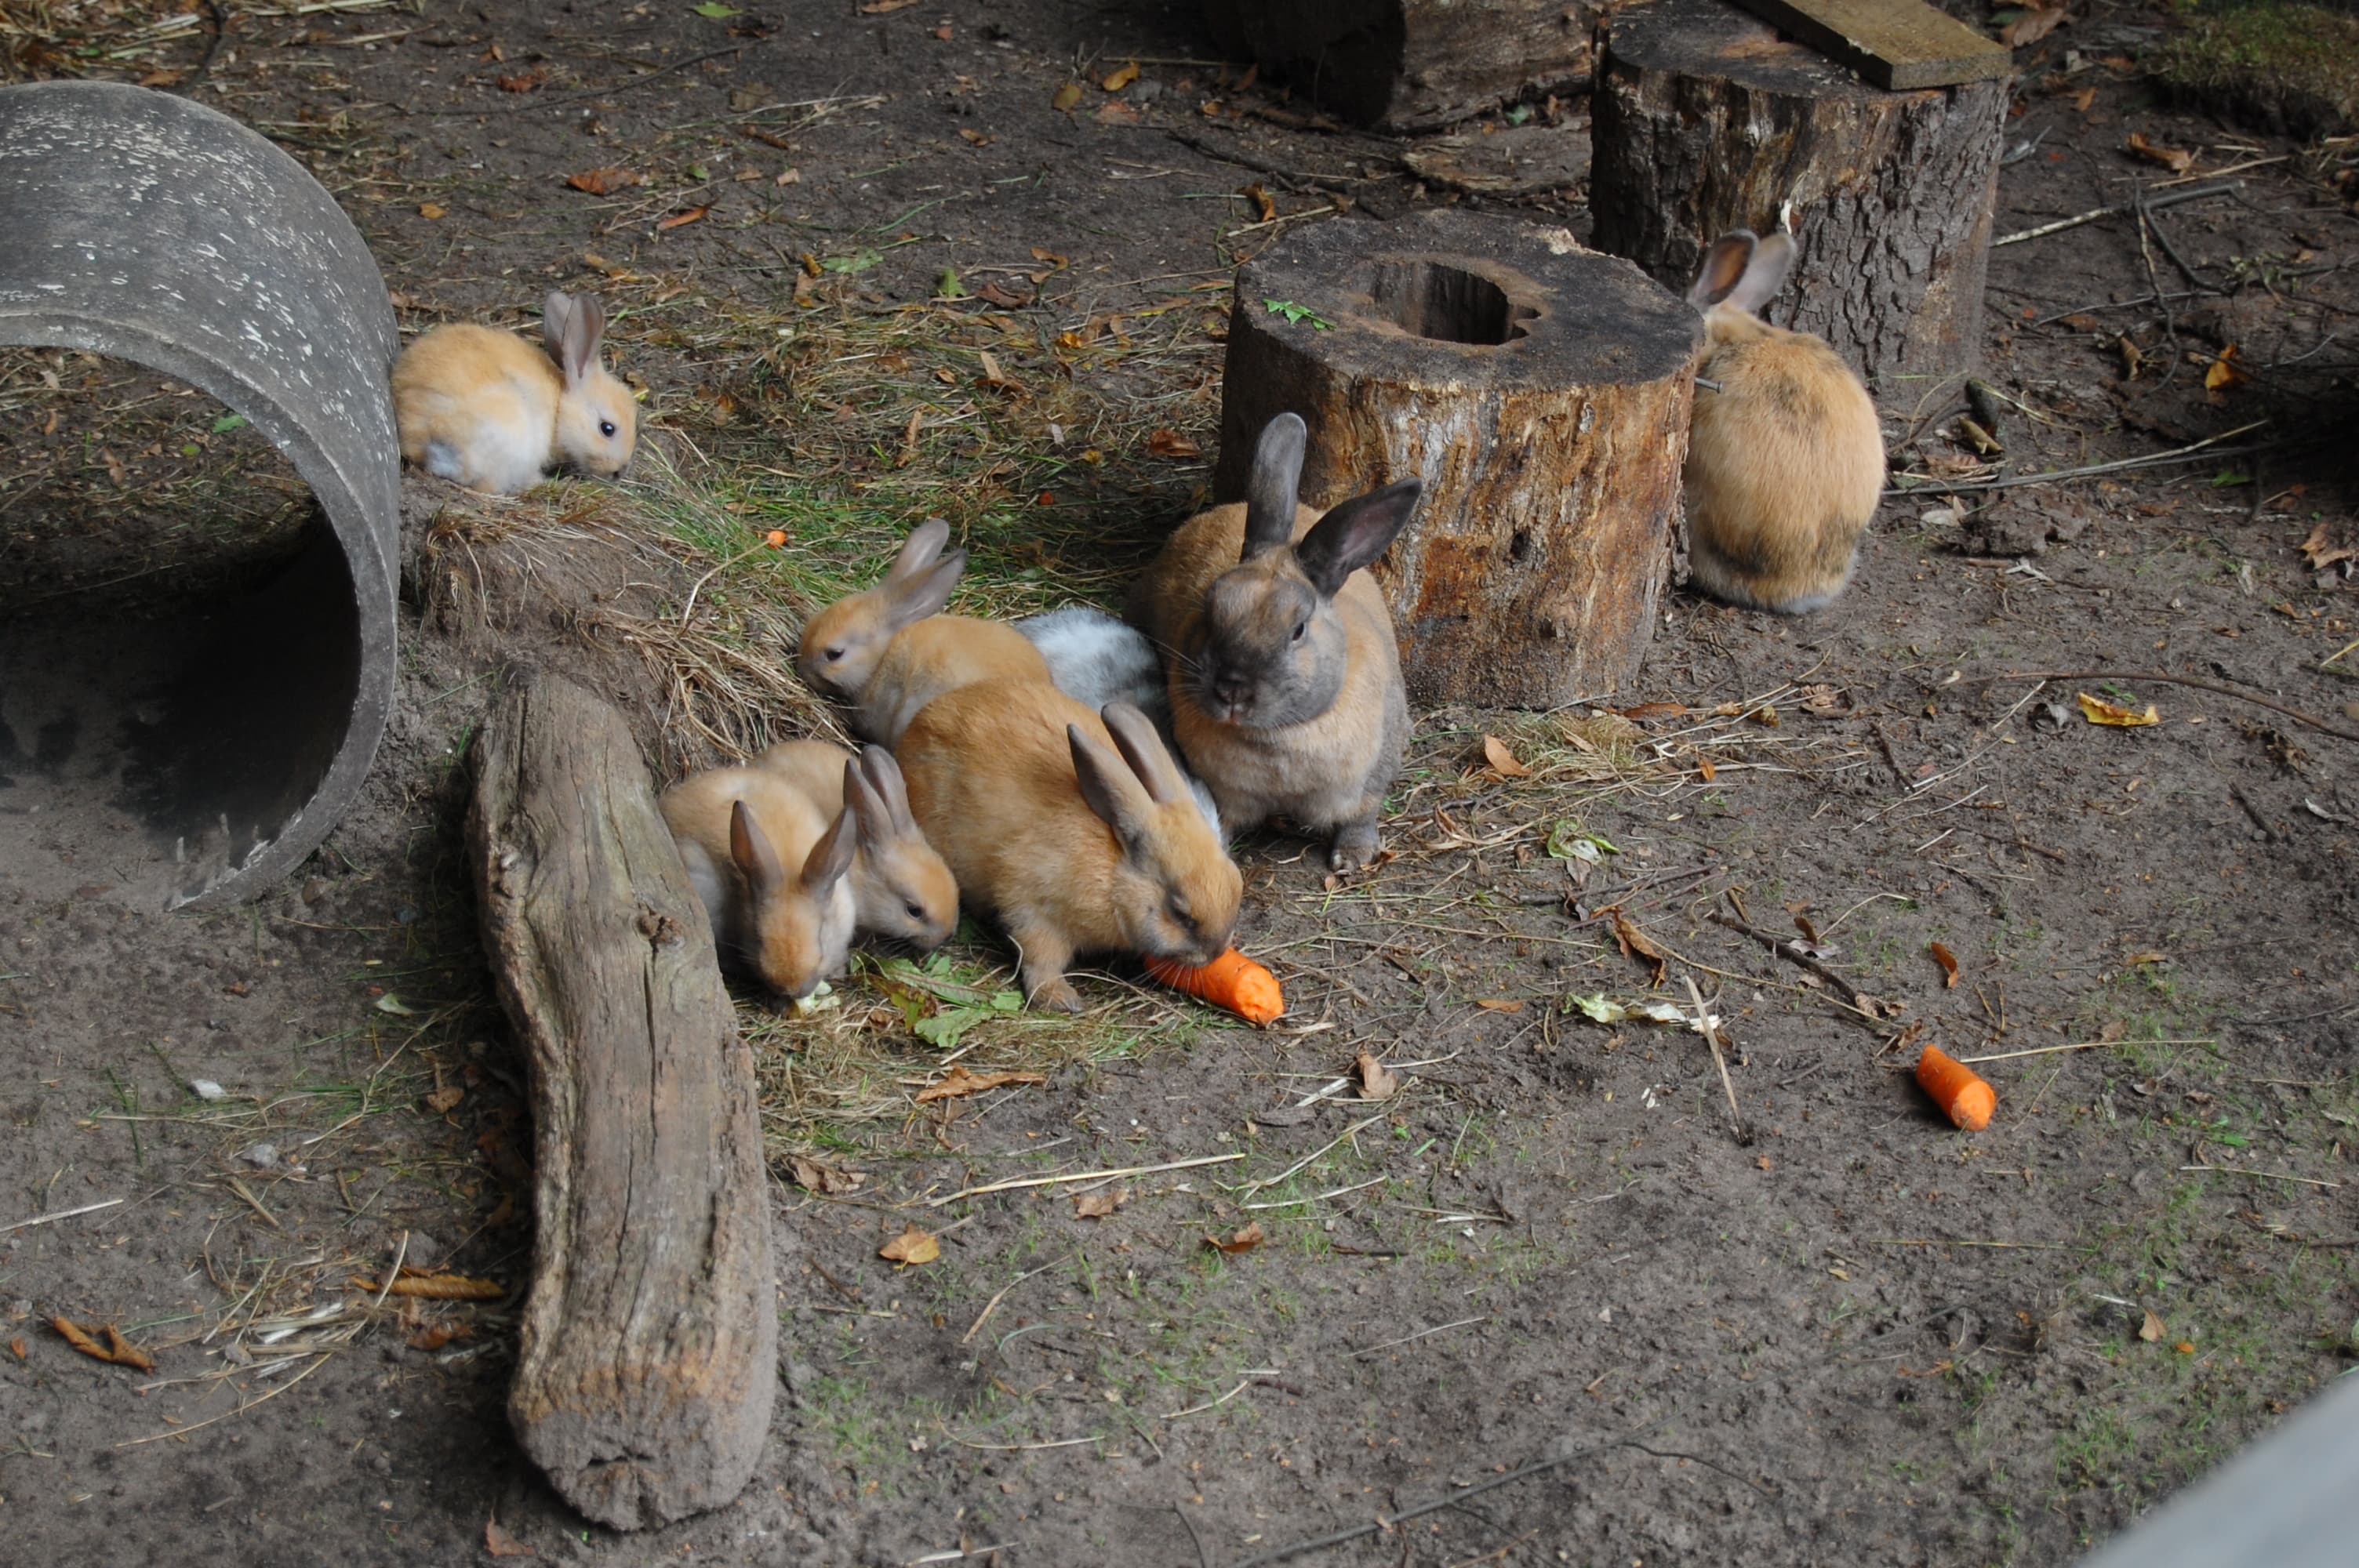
{"x":1231,"y":980}
{"x":1956,"y":1088}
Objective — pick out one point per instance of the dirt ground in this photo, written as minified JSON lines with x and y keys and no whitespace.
{"x":1847,"y":1332}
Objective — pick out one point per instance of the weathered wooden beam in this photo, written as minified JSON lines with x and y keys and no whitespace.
{"x":1897,"y":44}
{"x":647,"y":1361}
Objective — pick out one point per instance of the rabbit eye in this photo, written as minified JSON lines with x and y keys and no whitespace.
{"x":1300,"y":627}
{"x":833,"y":654}
{"x":917,"y":911}
{"x":1178,"y":908}
{"x":606,"y":428}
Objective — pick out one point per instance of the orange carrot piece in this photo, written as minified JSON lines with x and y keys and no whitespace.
{"x":1957,"y":1090}
{"x":1232,"y":981}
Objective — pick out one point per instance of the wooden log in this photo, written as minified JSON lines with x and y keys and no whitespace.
{"x":1411,"y":65}
{"x":647,"y":1360}
{"x":1540,"y":390}
{"x":1893,"y":43}
{"x":1706,"y":121}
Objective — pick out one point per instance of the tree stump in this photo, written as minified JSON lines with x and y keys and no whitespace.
{"x":1541,"y":392}
{"x":1411,"y":65}
{"x":647,"y":1361}
{"x":1705,"y":120}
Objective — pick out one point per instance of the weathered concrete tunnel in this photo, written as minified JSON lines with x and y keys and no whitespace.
{"x":197,"y":739}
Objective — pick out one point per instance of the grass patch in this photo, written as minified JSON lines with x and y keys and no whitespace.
{"x":2274,"y":66}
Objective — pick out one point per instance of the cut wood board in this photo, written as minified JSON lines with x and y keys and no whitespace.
{"x":1897,"y":44}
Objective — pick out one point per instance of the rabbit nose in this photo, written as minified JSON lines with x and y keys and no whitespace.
{"x":1228,"y":688}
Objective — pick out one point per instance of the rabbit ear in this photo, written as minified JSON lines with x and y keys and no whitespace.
{"x":1135,"y":738}
{"x":573,"y":327}
{"x":870,"y":814}
{"x":912,"y":598}
{"x":922,"y":548}
{"x":749,"y":846}
{"x":1765,"y":274}
{"x":884,"y":778}
{"x":1723,"y":268}
{"x":1274,"y":483}
{"x":1353,"y":534}
{"x":1109,"y":788}
{"x":832,"y":856}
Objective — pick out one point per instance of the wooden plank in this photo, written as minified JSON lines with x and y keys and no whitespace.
{"x":649,"y":1357}
{"x":1895,"y":44}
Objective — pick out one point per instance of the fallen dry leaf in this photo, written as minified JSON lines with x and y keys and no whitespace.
{"x":681,"y":219}
{"x":2097,"y":710}
{"x":2030,"y":28}
{"x":431,"y":211}
{"x":1244,"y":1240}
{"x":436,"y":1287}
{"x":1095,"y":1205}
{"x":1376,"y":1081}
{"x":818,"y":1176}
{"x":603,"y":181}
{"x":1500,"y":1004}
{"x":2322,"y":552}
{"x":2151,"y":1329}
{"x":999,"y":294}
{"x":1637,"y":944}
{"x":1121,"y":77}
{"x":884,"y":7}
{"x":969,"y":133}
{"x":1173,"y":444}
{"x":1503,"y":761}
{"x":2172,"y":158}
{"x":122,"y":1353}
{"x":523,"y":82}
{"x":958,"y":1082}
{"x":1656,"y":710}
{"x":441,"y":1100}
{"x":788,"y":177}
{"x":1949,"y":962}
{"x":2224,"y":370}
{"x":2080,"y":101}
{"x":1822,"y":699}
{"x":911,"y":1246}
{"x":161,"y":78}
{"x":2185,"y":1347}
{"x":500,"y":1544}
{"x":1065,"y":97}
{"x":1259,"y":194}
{"x":2132,"y":357}
{"x":1118,"y":111}
{"x":118,"y":1350}
{"x":993,"y":376}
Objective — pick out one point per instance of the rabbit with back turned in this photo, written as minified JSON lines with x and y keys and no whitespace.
{"x":488,"y":410}
{"x":1285,"y":676}
{"x":889,"y":650}
{"x":1074,"y":828}
{"x":1786,"y":459}
{"x":900,"y":888}
{"x":770,"y":867}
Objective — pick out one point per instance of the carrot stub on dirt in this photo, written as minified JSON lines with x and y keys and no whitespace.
{"x":1957,"y":1090}
{"x":1231,"y":980}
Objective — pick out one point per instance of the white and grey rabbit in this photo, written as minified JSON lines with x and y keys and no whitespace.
{"x":1095,"y":659}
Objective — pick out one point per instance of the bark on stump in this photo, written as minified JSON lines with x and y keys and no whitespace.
{"x":1411,"y":65}
{"x":649,"y":1356}
{"x":1540,"y":389}
{"x":1705,"y":120}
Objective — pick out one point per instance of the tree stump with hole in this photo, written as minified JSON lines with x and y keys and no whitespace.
{"x":1411,"y":65}
{"x":1540,"y":390}
{"x":648,"y":1359}
{"x":1705,"y":120}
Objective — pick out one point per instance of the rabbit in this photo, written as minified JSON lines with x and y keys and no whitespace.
{"x":900,"y":889}
{"x":1786,"y":459}
{"x":739,"y":831}
{"x":1095,"y":659}
{"x":1075,"y":850}
{"x":486,"y":408}
{"x":889,"y":651}
{"x":1284,"y":678}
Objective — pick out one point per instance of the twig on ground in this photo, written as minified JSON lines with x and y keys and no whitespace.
{"x":2149,"y":677}
{"x":1203,"y":1558}
{"x":1420,"y":1333}
{"x":1081,"y":1176}
{"x":2076,"y":1045}
{"x":2188,"y":193}
{"x":61,"y":1214}
{"x":2261,"y":1175}
{"x":1298,"y":1164}
{"x":992,"y":1304}
{"x":1711,"y":1031}
{"x":2012,"y":481}
{"x":1787,"y":951}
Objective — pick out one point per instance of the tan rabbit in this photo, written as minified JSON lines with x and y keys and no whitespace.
{"x":1786,"y":459}
{"x":888,"y":650}
{"x":900,"y":888}
{"x":1284,"y":678}
{"x":771,"y":869}
{"x":486,"y":408}
{"x":1074,"y":848}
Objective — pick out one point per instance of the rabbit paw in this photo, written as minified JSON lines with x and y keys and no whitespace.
{"x":1057,"y":993}
{"x":1354,"y":847}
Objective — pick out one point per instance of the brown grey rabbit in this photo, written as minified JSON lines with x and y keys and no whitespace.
{"x":1285,"y":676}
{"x":1786,"y":459}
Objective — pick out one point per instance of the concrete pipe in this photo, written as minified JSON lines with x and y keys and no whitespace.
{"x":198,"y":746}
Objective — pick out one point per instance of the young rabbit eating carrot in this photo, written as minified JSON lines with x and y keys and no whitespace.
{"x":1786,"y":459}
{"x":488,"y":410}
{"x":1285,"y":685}
{"x":1073,"y":827}
{"x":770,"y":867}
{"x":889,"y":650}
